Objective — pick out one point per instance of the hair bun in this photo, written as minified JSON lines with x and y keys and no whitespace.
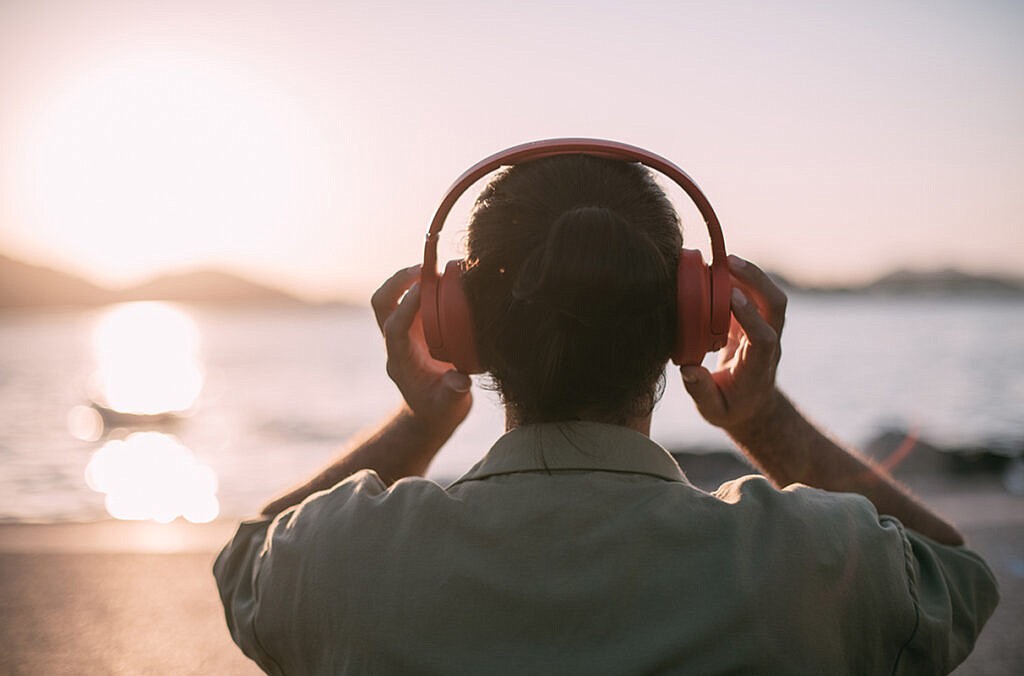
{"x":594,"y":268}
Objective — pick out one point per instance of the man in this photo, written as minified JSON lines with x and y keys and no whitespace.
{"x":578,"y":546}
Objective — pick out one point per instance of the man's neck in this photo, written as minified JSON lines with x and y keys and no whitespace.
{"x":641,"y":425}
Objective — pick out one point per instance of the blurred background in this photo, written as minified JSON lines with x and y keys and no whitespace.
{"x":197,"y":198}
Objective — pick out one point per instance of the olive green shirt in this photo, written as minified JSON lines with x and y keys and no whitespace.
{"x":582,"y":548}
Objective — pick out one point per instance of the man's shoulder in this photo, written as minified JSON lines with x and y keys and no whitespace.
{"x":755,"y":490}
{"x":361,"y":503}
{"x":366,"y":489}
{"x":825,"y":520}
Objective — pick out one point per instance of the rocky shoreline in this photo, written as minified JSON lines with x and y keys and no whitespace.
{"x":912,"y":460}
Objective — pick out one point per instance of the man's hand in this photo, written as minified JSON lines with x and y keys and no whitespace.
{"x":741,"y":398}
{"x":437,"y":395}
{"x":742,"y":391}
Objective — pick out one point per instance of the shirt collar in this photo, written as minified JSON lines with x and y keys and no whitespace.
{"x":577,"y":445}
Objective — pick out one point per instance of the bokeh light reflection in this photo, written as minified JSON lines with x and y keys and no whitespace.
{"x":147,"y":359}
{"x":85,"y":423}
{"x":151,"y":475}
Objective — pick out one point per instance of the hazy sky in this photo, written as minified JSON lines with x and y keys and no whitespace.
{"x":309,"y":142}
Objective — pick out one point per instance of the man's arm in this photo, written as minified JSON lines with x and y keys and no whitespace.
{"x":789,"y":449}
{"x":437,"y":399}
{"x":741,"y":398}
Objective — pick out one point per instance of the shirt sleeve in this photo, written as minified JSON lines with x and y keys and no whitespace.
{"x":947,"y":592}
{"x":237,"y":571}
{"x":954,"y":593}
{"x":265,"y":574}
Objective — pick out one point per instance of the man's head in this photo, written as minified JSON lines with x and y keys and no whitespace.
{"x":571,"y":283}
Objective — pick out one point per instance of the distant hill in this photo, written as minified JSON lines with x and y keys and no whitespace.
{"x":23,"y":285}
{"x":944,"y":282}
{"x":206,"y":286}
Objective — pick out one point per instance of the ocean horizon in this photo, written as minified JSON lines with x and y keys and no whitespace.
{"x":271,"y":394}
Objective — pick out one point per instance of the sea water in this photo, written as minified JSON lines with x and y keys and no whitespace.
{"x":284,"y":389}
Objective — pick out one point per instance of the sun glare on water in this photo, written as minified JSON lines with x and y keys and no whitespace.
{"x":147,"y":359}
{"x":147,"y":363}
{"x":150,"y":475}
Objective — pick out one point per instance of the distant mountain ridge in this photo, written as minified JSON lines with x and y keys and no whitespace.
{"x":205,"y":286}
{"x":23,"y":285}
{"x":942,"y":282}
{"x":945,"y":281}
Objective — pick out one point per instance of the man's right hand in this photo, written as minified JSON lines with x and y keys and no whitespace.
{"x":741,"y":391}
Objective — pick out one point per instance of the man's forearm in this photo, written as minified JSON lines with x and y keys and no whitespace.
{"x":789,"y":449}
{"x":403,"y":446}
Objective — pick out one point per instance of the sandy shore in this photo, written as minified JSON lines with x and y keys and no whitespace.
{"x":136,"y":598}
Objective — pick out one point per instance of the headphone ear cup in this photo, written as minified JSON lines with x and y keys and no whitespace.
{"x":693,"y":309}
{"x":457,"y":339}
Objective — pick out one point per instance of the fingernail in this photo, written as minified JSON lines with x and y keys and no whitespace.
{"x":738,"y":299}
{"x":410,"y":293}
{"x":461,"y":384}
{"x":736,"y":262}
{"x":688,"y":375}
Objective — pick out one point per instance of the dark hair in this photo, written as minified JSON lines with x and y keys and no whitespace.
{"x":571,"y":280}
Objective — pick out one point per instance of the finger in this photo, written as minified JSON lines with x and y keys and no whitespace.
{"x":733,"y":342}
{"x":396,"y":326}
{"x":704,"y":391}
{"x":761,"y":337}
{"x":759,"y":286}
{"x":385,"y":299}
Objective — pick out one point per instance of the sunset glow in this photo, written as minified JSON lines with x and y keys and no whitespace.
{"x":308,"y":145}
{"x":160,"y":160}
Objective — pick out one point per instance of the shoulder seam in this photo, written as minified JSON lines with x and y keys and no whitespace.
{"x":911,"y":588}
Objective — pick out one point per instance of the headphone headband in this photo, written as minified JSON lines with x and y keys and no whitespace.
{"x":535,"y":150}
{"x":719,"y":320}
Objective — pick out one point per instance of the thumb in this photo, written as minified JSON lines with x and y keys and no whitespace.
{"x":702,"y":388}
{"x":457,"y":382}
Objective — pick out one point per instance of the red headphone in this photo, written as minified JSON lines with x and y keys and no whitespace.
{"x":703,"y":291}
